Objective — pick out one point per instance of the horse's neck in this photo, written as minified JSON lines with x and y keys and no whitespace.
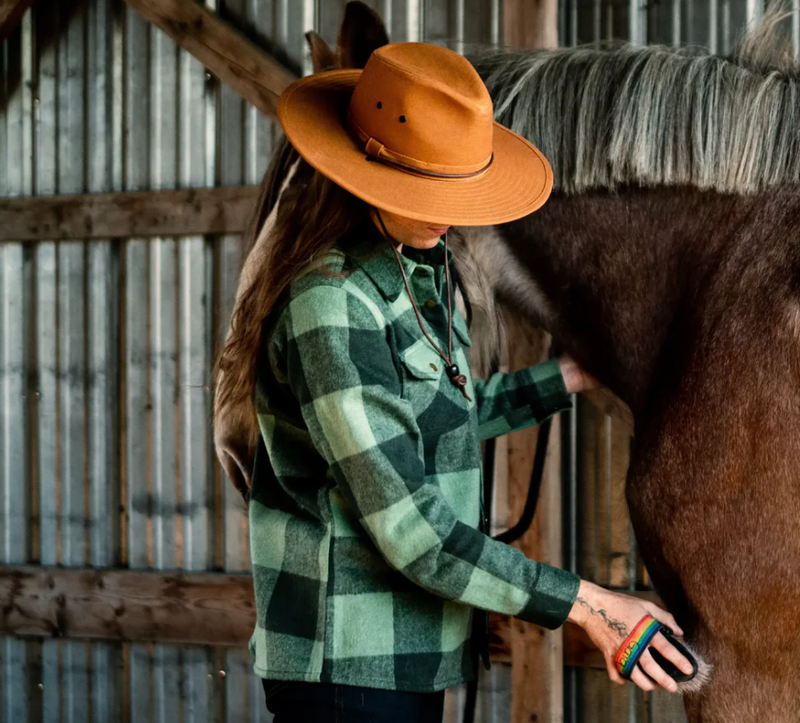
{"x":616,"y":270}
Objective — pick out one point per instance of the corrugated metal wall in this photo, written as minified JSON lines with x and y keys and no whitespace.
{"x":106,"y":347}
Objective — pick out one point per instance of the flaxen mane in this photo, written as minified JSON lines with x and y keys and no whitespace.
{"x":631,"y":115}
{"x":654,"y":115}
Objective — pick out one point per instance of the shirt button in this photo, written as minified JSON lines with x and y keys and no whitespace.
{"x":430,"y":303}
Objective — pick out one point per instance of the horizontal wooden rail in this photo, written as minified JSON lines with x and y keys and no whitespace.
{"x":121,"y":215}
{"x":166,"y":607}
{"x":175,"y":607}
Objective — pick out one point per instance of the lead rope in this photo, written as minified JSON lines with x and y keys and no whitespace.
{"x":455,"y":376}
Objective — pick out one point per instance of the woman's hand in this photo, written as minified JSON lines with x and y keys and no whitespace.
{"x":609,"y":617}
{"x":575,"y":378}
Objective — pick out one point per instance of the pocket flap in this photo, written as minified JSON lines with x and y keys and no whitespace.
{"x":422,"y":361}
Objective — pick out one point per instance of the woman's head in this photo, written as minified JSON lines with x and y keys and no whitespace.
{"x":443,"y":161}
{"x":413,"y":133}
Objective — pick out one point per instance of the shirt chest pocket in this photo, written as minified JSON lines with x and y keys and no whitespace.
{"x":434,"y":399}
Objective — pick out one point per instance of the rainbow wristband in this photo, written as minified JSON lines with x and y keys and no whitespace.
{"x":635,"y":644}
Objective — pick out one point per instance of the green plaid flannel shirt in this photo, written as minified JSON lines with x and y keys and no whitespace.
{"x":365,"y":505}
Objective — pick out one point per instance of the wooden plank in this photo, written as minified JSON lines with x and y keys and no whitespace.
{"x":530,"y":23}
{"x":538,"y":682}
{"x":196,"y":608}
{"x":228,"y":54}
{"x":122,"y":215}
{"x":166,"y":607}
{"x":609,"y":403}
{"x":11,"y":12}
{"x":536,"y":654}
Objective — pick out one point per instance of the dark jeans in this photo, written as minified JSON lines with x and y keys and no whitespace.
{"x":292,"y":702}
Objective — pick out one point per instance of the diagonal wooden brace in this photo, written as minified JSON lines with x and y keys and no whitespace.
{"x":228,"y":54}
{"x":11,"y":12}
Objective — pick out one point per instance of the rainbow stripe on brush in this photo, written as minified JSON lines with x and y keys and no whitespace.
{"x":635,"y":644}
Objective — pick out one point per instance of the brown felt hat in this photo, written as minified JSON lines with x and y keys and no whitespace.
{"x":413,"y":134}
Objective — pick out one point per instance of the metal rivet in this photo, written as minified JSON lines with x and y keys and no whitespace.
{"x":402,"y":119}
{"x":380,"y":105}
{"x":430,"y":303}
{"x":433,"y":366}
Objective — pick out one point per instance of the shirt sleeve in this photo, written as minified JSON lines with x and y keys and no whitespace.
{"x":509,"y":402}
{"x":339,"y":365}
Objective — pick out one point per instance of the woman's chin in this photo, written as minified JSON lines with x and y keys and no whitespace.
{"x":423,"y":244}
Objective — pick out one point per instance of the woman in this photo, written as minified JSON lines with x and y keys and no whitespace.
{"x":366,"y":529}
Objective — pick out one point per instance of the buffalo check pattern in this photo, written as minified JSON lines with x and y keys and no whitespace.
{"x":365,"y":506}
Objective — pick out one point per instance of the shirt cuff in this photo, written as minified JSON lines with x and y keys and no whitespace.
{"x":550,"y":603}
{"x":546,"y":389}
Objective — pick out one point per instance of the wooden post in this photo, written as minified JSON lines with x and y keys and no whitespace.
{"x":11,"y":12}
{"x":228,"y":54}
{"x":536,"y":654}
{"x":530,"y":23}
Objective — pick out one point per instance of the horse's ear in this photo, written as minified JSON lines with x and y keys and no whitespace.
{"x":362,"y":32}
{"x":322,"y":57}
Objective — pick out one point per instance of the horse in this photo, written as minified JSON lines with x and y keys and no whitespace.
{"x":667,"y":262}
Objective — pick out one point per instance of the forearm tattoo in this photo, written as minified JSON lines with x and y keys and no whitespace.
{"x":615,"y":625}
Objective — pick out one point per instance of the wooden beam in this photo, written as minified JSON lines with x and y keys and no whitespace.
{"x":122,"y":215}
{"x":11,"y":12}
{"x":530,"y":23}
{"x":536,"y":654}
{"x":175,"y":607}
{"x":166,"y":607}
{"x":609,"y":403}
{"x":228,"y":54}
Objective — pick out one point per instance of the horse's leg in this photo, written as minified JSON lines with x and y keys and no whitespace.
{"x":713,"y":494}
{"x":741,"y":693}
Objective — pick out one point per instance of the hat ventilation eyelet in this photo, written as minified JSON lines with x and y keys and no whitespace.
{"x":380,"y":105}
{"x":402,"y":119}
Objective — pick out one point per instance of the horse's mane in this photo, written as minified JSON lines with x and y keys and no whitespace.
{"x":650,"y":116}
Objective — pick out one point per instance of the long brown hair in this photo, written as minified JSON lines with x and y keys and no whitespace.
{"x":313,"y":214}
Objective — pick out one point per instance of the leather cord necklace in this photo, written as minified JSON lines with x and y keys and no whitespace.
{"x":455,"y":376}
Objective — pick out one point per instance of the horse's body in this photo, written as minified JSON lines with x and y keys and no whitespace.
{"x":668,"y":263}
{"x":687,"y":305}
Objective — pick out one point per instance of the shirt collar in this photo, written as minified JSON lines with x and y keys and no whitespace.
{"x":369,"y":250}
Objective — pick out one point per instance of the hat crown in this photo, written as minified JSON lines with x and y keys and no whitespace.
{"x":425,"y":107}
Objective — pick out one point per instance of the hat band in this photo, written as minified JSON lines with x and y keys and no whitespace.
{"x":430,"y":174}
{"x":376,"y":151}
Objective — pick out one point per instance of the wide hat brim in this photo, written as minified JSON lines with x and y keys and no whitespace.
{"x":313,"y":112}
